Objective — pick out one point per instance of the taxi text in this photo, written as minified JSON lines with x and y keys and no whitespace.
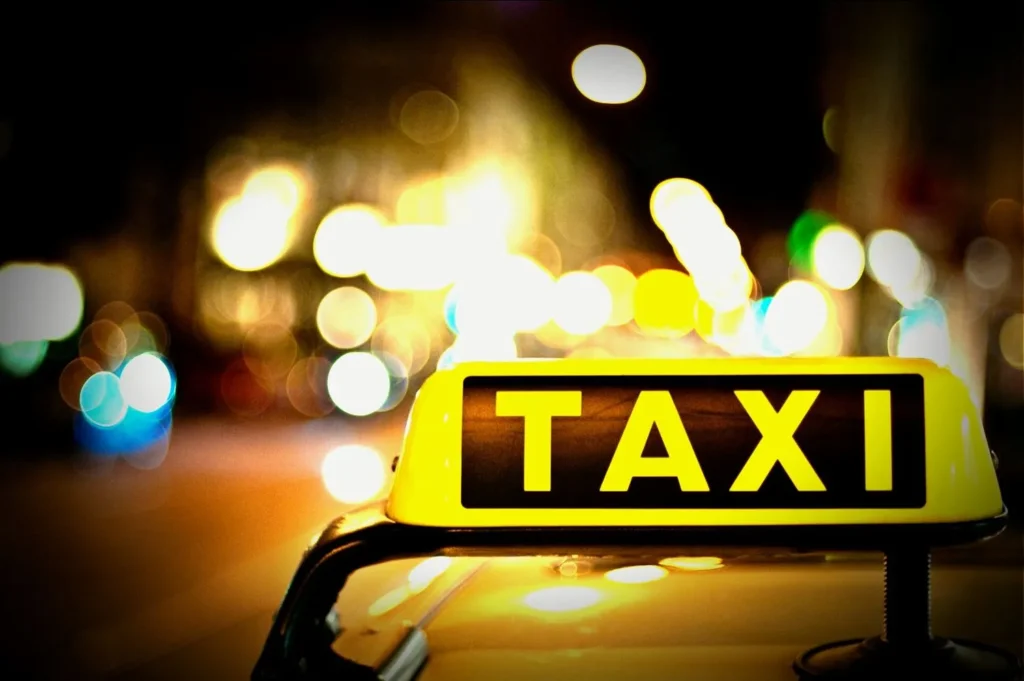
{"x":656,"y":408}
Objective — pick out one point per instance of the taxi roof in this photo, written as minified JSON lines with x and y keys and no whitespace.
{"x":455,"y":415}
{"x":738,"y":615}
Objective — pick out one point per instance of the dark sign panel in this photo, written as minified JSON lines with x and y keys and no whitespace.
{"x":698,"y":442}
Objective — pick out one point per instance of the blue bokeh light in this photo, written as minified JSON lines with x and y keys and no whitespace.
{"x":135,"y":433}
{"x":451,"y":304}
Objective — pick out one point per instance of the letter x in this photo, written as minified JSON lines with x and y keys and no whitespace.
{"x":777,"y":443}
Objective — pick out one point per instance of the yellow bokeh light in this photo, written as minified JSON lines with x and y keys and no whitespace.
{"x":609,"y":74}
{"x":636,"y":574}
{"x":250,"y":234}
{"x":1011,"y":340}
{"x":359,"y":383}
{"x":414,"y":258}
{"x":530,"y":305}
{"x":346,"y":317}
{"x":798,"y":313}
{"x":39,"y":302}
{"x":674,"y":198}
{"x":582,"y":304}
{"x":730,"y":323}
{"x":838,"y":257}
{"x":664,"y":302}
{"x":424,"y":202}
{"x":737,"y":331}
{"x":353,"y":474}
{"x":345,"y":240}
{"x":484,"y":348}
{"x":279,"y":185}
{"x":727,"y":287}
{"x":621,"y":283}
{"x":704,"y":320}
{"x":488,"y":205}
{"x":405,"y":338}
{"x":503,"y":295}
{"x":554,"y":336}
{"x":428,"y":117}
{"x":708,"y":249}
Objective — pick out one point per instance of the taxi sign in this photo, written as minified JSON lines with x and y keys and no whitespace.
{"x":696,"y":443}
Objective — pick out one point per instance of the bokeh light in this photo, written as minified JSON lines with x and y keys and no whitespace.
{"x":38,"y":302}
{"x":831,"y":128}
{"x":838,"y":257}
{"x":893,"y":259}
{"x":582,"y":303}
{"x":798,"y":313}
{"x":406,"y":339}
{"x":609,"y":74}
{"x":358,"y":383}
{"x":243,"y":392}
{"x":344,"y":243}
{"x":353,"y":474}
{"x":428,"y":117}
{"x":73,"y":377}
{"x":306,"y":387}
{"x":414,"y":258}
{"x":480,"y":348}
{"x":105,"y":343}
{"x":726,"y":287}
{"x":559,"y":599}
{"x":269,"y":350}
{"x":22,"y":358}
{"x":802,"y":236}
{"x":664,"y":303}
{"x":277,"y":186}
{"x":621,"y":283}
{"x":988,"y":263}
{"x":101,"y":400}
{"x":922,"y":332}
{"x":346,"y":317}
{"x":912,"y":292}
{"x":250,"y":234}
{"x":147,"y":383}
{"x":1011,"y":340}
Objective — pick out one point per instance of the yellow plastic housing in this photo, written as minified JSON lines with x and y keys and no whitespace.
{"x":960,"y":475}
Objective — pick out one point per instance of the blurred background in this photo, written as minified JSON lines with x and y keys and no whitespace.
{"x":235,"y":245}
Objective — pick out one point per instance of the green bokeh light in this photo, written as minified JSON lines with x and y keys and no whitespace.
{"x":23,"y":357}
{"x":802,"y":235}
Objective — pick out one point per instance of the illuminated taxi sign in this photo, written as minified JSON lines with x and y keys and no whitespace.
{"x":694,"y":443}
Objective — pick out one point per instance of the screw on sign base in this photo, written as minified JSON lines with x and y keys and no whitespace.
{"x":906,"y":649}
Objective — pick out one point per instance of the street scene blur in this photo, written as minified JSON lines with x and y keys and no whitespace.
{"x":236,"y":247}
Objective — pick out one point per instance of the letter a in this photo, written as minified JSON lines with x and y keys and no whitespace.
{"x":654,"y":408}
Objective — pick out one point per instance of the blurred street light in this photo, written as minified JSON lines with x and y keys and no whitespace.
{"x":609,"y":74}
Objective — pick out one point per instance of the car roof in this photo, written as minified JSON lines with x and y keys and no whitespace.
{"x":748,"y":616}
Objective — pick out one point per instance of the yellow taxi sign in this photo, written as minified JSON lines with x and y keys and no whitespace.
{"x":694,"y":443}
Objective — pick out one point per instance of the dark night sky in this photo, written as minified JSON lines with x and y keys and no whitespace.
{"x":735,"y":94}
